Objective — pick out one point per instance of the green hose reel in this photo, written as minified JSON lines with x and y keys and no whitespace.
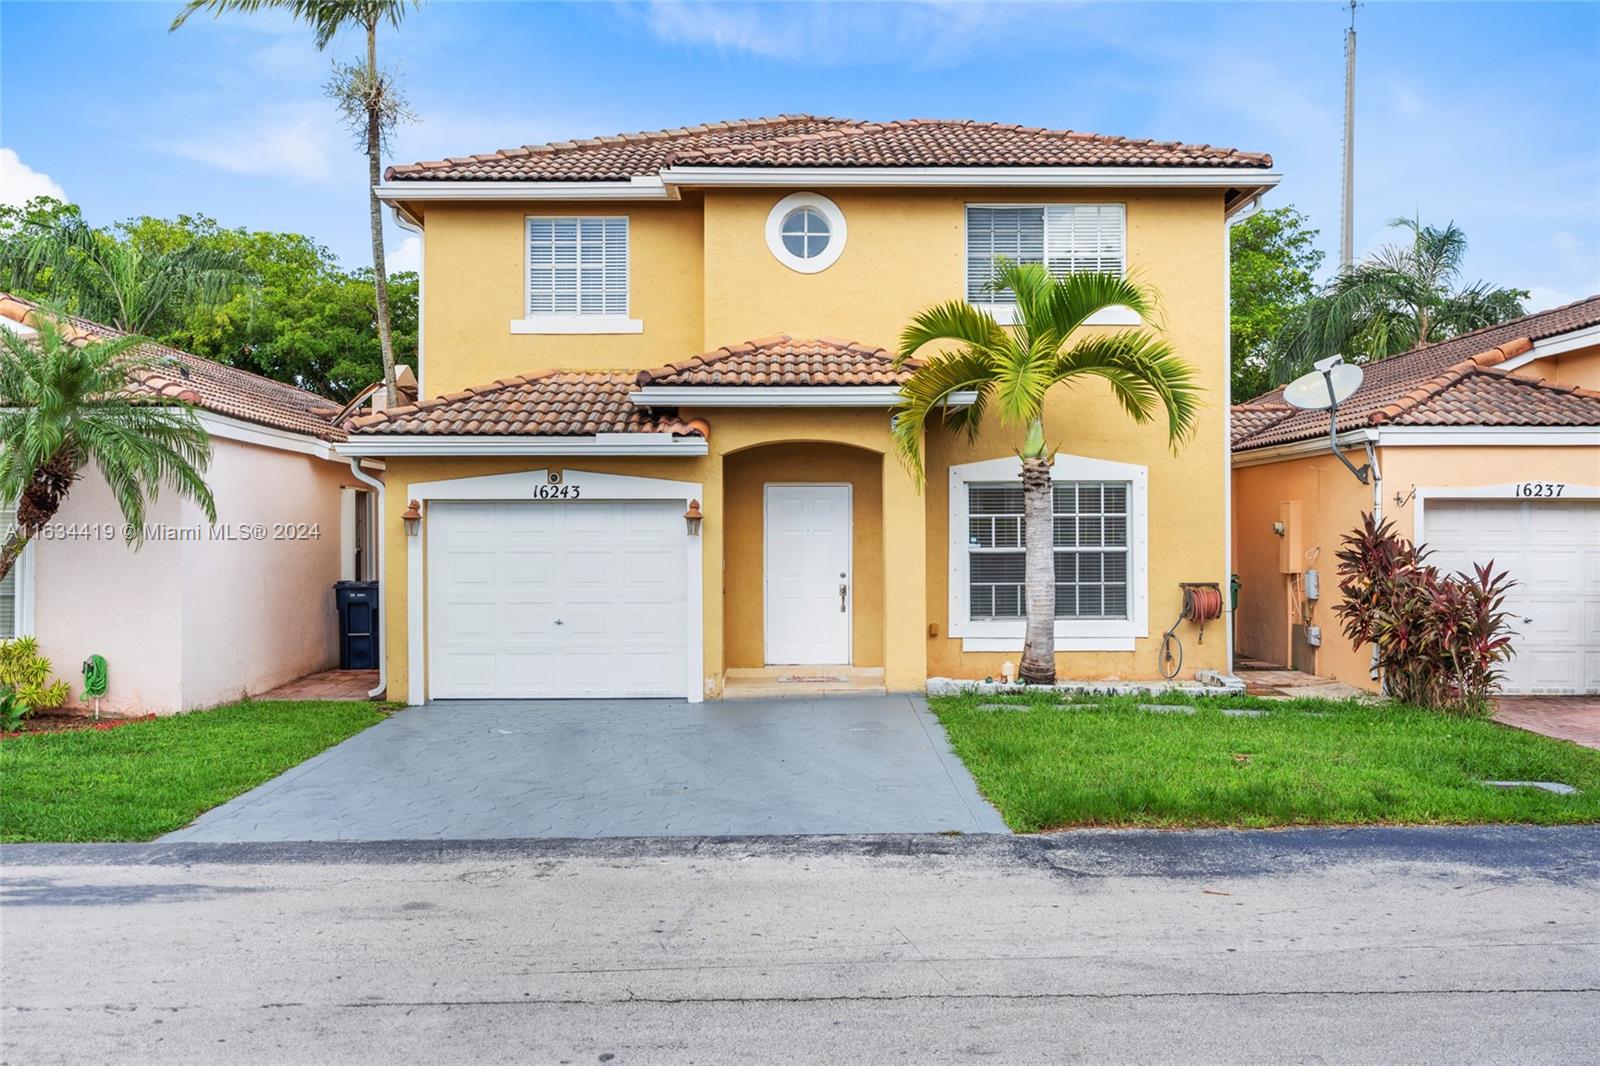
{"x":95,"y":678}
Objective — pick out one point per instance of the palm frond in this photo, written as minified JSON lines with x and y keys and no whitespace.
{"x":1144,"y":373}
{"x":955,"y":321}
{"x":927,"y":393}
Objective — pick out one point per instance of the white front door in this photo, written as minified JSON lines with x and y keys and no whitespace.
{"x":557,"y":599}
{"x":808,"y":574}
{"x":1551,"y":549}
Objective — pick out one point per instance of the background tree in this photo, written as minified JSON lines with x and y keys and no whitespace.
{"x":368,"y":96}
{"x":65,"y":404}
{"x":1273,"y":272}
{"x":303,"y":319}
{"x":140,"y":289}
{"x":1012,"y":371}
{"x":1407,"y":294}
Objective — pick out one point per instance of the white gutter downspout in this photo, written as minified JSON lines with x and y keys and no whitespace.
{"x":1227,"y":422}
{"x":383,"y":603}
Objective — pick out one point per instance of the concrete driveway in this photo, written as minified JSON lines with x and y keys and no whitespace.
{"x":620,"y":768}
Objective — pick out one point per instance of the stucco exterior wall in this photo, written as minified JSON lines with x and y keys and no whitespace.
{"x":194,"y":621}
{"x":1578,"y":367}
{"x":258,"y":613}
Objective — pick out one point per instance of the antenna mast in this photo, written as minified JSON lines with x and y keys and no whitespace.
{"x":1348,"y":206}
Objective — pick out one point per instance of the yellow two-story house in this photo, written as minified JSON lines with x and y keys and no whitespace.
{"x":652,"y":456}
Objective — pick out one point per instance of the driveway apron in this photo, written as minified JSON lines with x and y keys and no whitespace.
{"x":496,"y":769}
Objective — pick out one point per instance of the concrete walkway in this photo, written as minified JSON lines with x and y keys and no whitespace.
{"x":1574,"y":718}
{"x":617,"y":768}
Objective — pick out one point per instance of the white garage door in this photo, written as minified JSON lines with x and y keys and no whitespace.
{"x":552,"y":600}
{"x":1552,"y":549}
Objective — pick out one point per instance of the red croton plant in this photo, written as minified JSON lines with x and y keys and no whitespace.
{"x":1441,"y":638}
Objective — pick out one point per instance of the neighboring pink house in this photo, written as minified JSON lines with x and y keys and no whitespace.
{"x":202,"y":615}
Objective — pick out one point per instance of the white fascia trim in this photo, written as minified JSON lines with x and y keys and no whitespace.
{"x":1029,"y":177}
{"x":1587,"y":337}
{"x":652,"y":188}
{"x":1112,"y":634}
{"x":577,"y":324}
{"x":234,"y":429}
{"x":1120,"y":315}
{"x":659,"y":444}
{"x":1349,"y":439}
{"x":780,"y":396}
{"x":1490,"y":436}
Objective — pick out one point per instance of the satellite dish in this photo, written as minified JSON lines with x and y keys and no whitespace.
{"x":1330,"y":384}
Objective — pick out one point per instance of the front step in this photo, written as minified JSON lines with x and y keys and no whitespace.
{"x":801,"y":682}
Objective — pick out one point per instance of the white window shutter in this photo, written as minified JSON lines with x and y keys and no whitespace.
{"x":577,"y":266}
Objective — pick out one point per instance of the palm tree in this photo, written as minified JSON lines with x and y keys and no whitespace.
{"x":1405,"y":295}
{"x":119,"y":283}
{"x":370,"y":100}
{"x":1013,"y":370}
{"x":65,"y":402}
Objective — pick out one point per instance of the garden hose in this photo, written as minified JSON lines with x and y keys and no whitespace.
{"x":95,"y":679}
{"x":1202,"y":603}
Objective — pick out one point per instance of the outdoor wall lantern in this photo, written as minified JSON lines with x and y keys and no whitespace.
{"x":692,"y":518}
{"x":413,"y":519}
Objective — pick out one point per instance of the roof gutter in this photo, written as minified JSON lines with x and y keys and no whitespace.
{"x":650,"y":188}
{"x":664,"y":445}
{"x":1349,"y":440}
{"x":1033,"y":177}
{"x":780,"y":396}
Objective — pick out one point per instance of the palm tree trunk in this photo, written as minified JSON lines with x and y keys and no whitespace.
{"x":380,"y":272}
{"x":1039,"y":647}
{"x":39,"y":504}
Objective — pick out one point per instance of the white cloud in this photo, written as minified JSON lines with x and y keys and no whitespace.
{"x":20,"y":183}
{"x":405,"y":256}
{"x":293,"y":141}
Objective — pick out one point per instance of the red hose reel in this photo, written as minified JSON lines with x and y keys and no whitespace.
{"x":1202,"y":603}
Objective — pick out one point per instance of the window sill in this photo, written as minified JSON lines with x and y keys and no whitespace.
{"x":1063,"y":644}
{"x":577,"y":324}
{"x":1120,"y":315}
{"x":1112,"y":634}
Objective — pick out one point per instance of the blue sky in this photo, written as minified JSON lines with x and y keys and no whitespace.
{"x":1488,"y":114}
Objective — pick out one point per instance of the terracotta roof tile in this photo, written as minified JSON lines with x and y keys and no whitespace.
{"x":812,"y":141}
{"x":210,"y":385}
{"x":554,"y":404}
{"x":784,"y":361}
{"x":1409,"y":381}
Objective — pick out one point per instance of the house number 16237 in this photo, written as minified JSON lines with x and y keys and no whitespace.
{"x":557,"y":492}
{"x":1541,"y":488}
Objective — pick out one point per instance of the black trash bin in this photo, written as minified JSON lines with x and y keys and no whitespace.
{"x":357,"y":603}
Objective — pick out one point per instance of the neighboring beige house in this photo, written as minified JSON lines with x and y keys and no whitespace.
{"x":201,"y":615}
{"x":1486,"y":447}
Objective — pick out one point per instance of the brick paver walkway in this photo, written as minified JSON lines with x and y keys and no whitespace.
{"x":328,"y":685}
{"x":1575,"y":718}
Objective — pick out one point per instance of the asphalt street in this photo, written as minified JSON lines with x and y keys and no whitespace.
{"x":1359,"y":946}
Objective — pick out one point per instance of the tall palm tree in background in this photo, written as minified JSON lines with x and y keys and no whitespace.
{"x":119,"y":283}
{"x":64,"y":404}
{"x":369,"y":98}
{"x":1012,"y":371}
{"x":1405,"y":295}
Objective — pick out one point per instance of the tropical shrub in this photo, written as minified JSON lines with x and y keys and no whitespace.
{"x":1441,"y":638}
{"x":12,"y":710}
{"x":27,"y":673}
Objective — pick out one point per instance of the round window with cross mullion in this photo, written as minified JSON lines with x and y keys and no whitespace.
{"x":806,"y":232}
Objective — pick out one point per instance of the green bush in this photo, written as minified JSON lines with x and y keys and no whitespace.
{"x":12,"y":710}
{"x":22,"y":668}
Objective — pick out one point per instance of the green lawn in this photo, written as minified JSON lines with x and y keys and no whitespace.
{"x":140,"y":780}
{"x":1048,"y":765}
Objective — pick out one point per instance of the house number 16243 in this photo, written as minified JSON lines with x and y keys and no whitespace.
{"x":557,"y":492}
{"x":1541,"y":488}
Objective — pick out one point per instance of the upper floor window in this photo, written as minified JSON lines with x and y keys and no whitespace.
{"x":1066,"y":238}
{"x":577,"y":276}
{"x":9,"y":585}
{"x":806,"y":232}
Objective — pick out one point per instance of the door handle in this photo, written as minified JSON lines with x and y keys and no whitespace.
{"x":843,"y":588}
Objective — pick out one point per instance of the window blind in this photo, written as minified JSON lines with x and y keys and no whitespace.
{"x":1067,"y":238}
{"x":1090,"y":521}
{"x":577,"y":266}
{"x":8,"y":585}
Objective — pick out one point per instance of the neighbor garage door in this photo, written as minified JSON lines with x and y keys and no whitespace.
{"x":547,"y":600}
{"x":1552,"y":549}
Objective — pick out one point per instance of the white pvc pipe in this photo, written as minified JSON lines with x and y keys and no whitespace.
{"x":383,"y":602}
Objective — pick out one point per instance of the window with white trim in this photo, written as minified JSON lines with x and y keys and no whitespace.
{"x":1091,"y":550}
{"x":9,"y":614}
{"x":1067,"y":238}
{"x":577,"y":266}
